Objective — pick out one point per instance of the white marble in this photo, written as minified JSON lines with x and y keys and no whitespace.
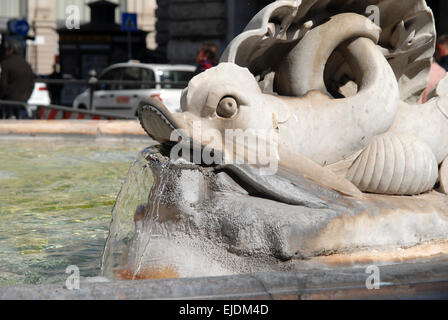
{"x":338,"y":87}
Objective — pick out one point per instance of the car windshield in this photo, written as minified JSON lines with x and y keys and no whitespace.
{"x":178,"y":79}
{"x":146,"y":76}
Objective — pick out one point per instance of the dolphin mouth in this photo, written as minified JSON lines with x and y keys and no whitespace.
{"x":157,"y":120}
{"x":160,"y":124}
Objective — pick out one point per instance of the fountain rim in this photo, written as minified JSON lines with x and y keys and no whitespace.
{"x":72,"y":128}
{"x":420,"y":280}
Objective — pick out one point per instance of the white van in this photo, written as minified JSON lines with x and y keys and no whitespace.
{"x":123,"y":99}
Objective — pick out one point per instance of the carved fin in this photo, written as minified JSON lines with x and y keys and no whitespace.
{"x":402,"y":166}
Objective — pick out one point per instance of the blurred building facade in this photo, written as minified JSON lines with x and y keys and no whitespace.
{"x":440,"y":9}
{"x":47,"y":16}
{"x":183,"y":25}
{"x":177,"y":28}
{"x":100,"y":43}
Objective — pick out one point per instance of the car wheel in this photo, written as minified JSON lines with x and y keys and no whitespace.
{"x":82,"y":107}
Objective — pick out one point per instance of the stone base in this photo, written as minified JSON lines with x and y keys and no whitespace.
{"x":201,"y":223}
{"x":425,"y":280}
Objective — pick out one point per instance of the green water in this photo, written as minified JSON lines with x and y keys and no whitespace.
{"x":56,"y":198}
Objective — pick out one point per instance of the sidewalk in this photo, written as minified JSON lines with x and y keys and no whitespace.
{"x":72,"y":127}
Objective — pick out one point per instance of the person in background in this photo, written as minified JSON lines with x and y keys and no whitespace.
{"x":441,"y":55}
{"x":16,"y":81}
{"x":55,"y":89}
{"x":438,"y":68}
{"x":207,"y":57}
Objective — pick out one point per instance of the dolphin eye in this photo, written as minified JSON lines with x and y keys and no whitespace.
{"x":227,"y":108}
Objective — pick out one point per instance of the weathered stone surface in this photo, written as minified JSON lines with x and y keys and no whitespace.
{"x":329,"y":148}
{"x":197,"y":20}
{"x":163,"y":3}
{"x":198,"y":10}
{"x":407,"y":37}
{"x":162,"y":38}
{"x":424,"y":280}
{"x":198,"y":222}
{"x":162,"y":13}
{"x":163,"y":25}
{"x":193,"y":28}
{"x":186,"y":50}
{"x":394,"y":145}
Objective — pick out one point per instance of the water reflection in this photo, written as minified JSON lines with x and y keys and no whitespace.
{"x":56,"y":198}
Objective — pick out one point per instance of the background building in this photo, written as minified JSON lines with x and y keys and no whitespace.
{"x":47,"y":16}
{"x":99,"y":43}
{"x":183,"y":26}
{"x":440,"y":9}
{"x":176,"y":28}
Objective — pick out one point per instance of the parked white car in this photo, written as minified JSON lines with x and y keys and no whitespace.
{"x":123,"y":99}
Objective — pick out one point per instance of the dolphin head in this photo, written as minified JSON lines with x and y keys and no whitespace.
{"x":226,"y":97}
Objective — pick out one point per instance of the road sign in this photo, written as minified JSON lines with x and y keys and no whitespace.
{"x":20,"y":27}
{"x":129,"y":22}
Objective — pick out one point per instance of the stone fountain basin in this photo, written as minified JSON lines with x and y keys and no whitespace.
{"x":421,"y":280}
{"x":202,"y":224}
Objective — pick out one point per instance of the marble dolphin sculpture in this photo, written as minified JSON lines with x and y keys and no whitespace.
{"x":370,"y":139}
{"x":228,"y":97}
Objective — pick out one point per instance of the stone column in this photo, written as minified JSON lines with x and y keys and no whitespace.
{"x":146,"y":10}
{"x":42,"y":19}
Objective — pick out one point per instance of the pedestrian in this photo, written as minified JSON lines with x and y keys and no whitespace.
{"x":16,"y":81}
{"x":55,"y":89}
{"x":438,"y":69}
{"x":206,"y":57}
{"x":441,"y":55}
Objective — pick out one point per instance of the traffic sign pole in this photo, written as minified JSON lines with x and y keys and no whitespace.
{"x":129,"y":24}
{"x":129,"y":46}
